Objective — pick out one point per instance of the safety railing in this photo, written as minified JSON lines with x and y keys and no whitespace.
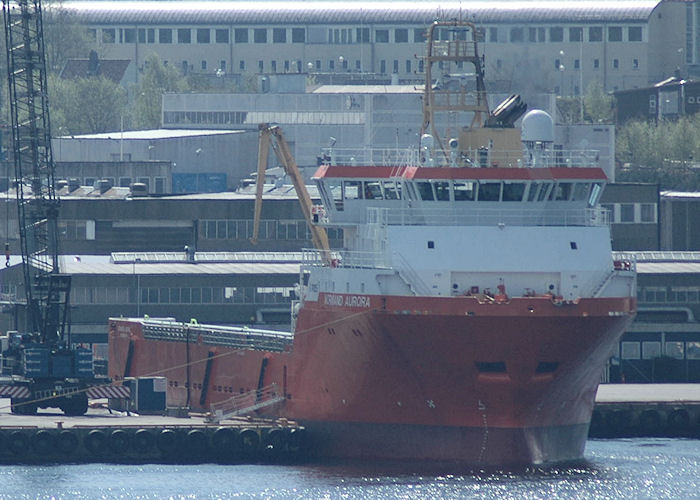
{"x":245,"y":403}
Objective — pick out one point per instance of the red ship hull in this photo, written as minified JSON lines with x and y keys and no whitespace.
{"x":412,"y":377}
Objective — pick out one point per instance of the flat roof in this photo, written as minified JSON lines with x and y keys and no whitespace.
{"x":161,"y":133}
{"x":357,"y":12}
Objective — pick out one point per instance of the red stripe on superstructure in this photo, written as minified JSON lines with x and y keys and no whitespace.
{"x":466,"y":173}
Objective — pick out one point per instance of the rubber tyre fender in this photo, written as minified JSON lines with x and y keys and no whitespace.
{"x":678,"y":421}
{"x":18,"y":443}
{"x":119,"y":441}
{"x":168,"y":442}
{"x":274,"y":443}
{"x":649,"y":423}
{"x":250,"y":442}
{"x":297,"y":442}
{"x":143,"y":441}
{"x":96,"y":442}
{"x":226,"y":443}
{"x":66,"y":442}
{"x":197,"y":443}
{"x":43,"y":443}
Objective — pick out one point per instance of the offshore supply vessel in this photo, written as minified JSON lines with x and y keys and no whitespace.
{"x":469,"y":315}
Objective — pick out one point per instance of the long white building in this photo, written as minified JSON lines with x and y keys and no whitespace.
{"x":529,"y":46}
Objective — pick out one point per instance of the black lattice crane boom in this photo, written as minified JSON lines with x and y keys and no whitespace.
{"x":47,"y":290}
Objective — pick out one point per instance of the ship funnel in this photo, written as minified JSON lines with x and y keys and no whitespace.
{"x":427,"y":143}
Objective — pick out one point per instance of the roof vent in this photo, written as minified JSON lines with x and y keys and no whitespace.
{"x":138,"y":189}
{"x":103,"y":185}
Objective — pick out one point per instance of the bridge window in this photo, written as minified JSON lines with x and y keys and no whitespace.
{"x":392,"y":190}
{"x":425,"y":190}
{"x":580,"y":191}
{"x":513,"y":191}
{"x":464,"y":190}
{"x":373,"y":191}
{"x":544,"y":191}
{"x":489,"y":191}
{"x":352,"y":190}
{"x":561,"y":192}
{"x":442,"y":191}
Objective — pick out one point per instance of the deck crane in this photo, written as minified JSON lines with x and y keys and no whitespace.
{"x":39,"y":366}
{"x":271,"y":136}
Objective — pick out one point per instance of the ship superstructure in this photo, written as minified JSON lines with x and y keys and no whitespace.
{"x":471,"y":310}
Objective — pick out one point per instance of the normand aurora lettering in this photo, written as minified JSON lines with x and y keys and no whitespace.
{"x":347,"y":300}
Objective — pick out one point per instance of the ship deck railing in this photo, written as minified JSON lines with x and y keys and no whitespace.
{"x":235,"y":337}
{"x":476,"y":158}
{"x":346,"y":259}
{"x":513,"y":216}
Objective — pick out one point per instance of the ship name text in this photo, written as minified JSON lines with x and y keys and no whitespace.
{"x":336,"y":300}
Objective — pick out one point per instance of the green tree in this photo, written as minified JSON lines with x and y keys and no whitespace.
{"x":157,"y":79}
{"x":662,"y":153}
{"x":64,"y":37}
{"x":85,"y":105}
{"x":598,"y":106}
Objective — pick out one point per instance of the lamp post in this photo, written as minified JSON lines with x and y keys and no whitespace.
{"x":561,"y":73}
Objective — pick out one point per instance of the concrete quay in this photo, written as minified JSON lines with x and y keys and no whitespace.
{"x":646,"y":410}
{"x":120,"y":437}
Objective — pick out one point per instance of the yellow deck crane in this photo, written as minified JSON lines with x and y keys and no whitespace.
{"x":271,"y":136}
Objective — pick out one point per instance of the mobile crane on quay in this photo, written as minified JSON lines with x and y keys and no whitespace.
{"x":39,"y":367}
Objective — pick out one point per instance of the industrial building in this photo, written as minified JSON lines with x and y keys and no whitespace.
{"x":558,"y":47}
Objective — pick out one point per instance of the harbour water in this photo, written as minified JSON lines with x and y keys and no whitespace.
{"x":622,"y":468}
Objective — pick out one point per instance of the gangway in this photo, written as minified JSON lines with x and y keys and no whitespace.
{"x":245,"y":403}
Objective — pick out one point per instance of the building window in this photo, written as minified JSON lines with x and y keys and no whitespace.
{"x":418,"y":35}
{"x":493,"y":34}
{"x":108,"y":35}
{"x":615,"y":34}
{"x":616,"y":63}
{"x":516,"y":35}
{"x":634,"y":33}
{"x":651,"y":349}
{"x":630,"y":350}
{"x":151,"y":35}
{"x":184,"y":35}
{"x":260,"y":35}
{"x":596,"y":63}
{"x":204,"y":65}
{"x":648,"y":212}
{"x":408,"y":66}
{"x":273,"y":66}
{"x":241,"y":65}
{"x":362,"y":35}
{"x":556,"y":34}
{"x":221,"y":35}
{"x":261,"y":66}
{"x":203,"y":35}
{"x":635,"y":63}
{"x":130,"y":35}
{"x":165,"y":35}
{"x":401,"y":35}
{"x":240,"y":35}
{"x":382,"y":66}
{"x":279,"y":35}
{"x":626,"y":212}
{"x":595,"y":34}
{"x":222,"y":65}
{"x":557,"y":64}
{"x":298,"y":35}
{"x":331,"y":64}
{"x":396,"y":65}
{"x":577,"y":63}
{"x":381,"y":36}
{"x":576,"y":34}
{"x":91,"y":34}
